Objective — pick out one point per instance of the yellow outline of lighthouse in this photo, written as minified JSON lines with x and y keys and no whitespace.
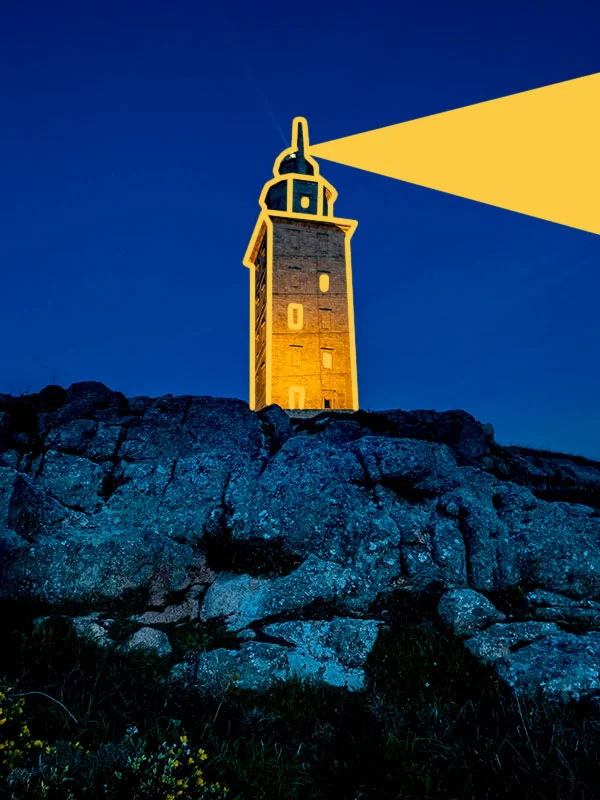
{"x":264,"y":225}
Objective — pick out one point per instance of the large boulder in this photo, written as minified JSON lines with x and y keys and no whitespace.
{"x":241,"y":599}
{"x":113,"y":500}
{"x":149,"y":641}
{"x":77,"y":567}
{"x":554,"y":607}
{"x":538,"y":659}
{"x":500,"y":640}
{"x":75,"y":482}
{"x":560,"y":667}
{"x":472,"y":442}
{"x":558,"y":543}
{"x":551,"y":476}
{"x":93,"y":628}
{"x":331,"y":653}
{"x":89,"y":400}
{"x":467,"y":611}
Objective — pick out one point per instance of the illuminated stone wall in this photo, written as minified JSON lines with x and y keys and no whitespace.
{"x":311,"y":341}
{"x":260,"y":324}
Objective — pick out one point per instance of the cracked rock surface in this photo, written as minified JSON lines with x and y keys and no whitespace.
{"x":331,"y":652}
{"x":196,"y":511}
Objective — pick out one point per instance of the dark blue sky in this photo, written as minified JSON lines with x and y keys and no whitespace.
{"x":136,"y":138}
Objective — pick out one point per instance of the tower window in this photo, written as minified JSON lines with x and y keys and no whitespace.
{"x":325,"y":319}
{"x":304,"y":197}
{"x":277,"y":196}
{"x":297,"y":397}
{"x":295,"y":316}
{"x":294,"y":273}
{"x":296,"y":353}
{"x":324,"y":281}
{"x":322,"y":243}
{"x":327,"y":359}
{"x":328,"y":397}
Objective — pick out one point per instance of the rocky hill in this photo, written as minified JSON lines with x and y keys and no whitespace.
{"x":291,"y":539}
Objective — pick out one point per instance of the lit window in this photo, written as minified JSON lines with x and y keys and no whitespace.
{"x":295,"y":316}
{"x":297,"y":396}
{"x":327,"y":359}
{"x":324,"y":281}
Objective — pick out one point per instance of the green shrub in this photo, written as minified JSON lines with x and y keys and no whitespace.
{"x":34,"y":767}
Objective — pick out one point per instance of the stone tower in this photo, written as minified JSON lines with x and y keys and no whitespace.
{"x":302,"y":342}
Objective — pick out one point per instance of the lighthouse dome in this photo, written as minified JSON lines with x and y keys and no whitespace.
{"x":297,"y":164}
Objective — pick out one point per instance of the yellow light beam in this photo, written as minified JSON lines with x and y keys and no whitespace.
{"x":536,"y":152}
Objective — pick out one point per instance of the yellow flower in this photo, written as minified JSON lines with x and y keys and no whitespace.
{"x":183,"y":739}
{"x":191,"y":761}
{"x":48,"y":748}
{"x":175,"y":763}
{"x":2,"y":721}
{"x":170,"y":797}
{"x":200,"y":782}
{"x":179,"y":782}
{"x":37,"y":743}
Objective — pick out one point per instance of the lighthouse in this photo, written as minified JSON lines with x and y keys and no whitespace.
{"x":302,"y":336}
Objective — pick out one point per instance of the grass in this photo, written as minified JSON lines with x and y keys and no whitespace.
{"x":434,"y":724}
